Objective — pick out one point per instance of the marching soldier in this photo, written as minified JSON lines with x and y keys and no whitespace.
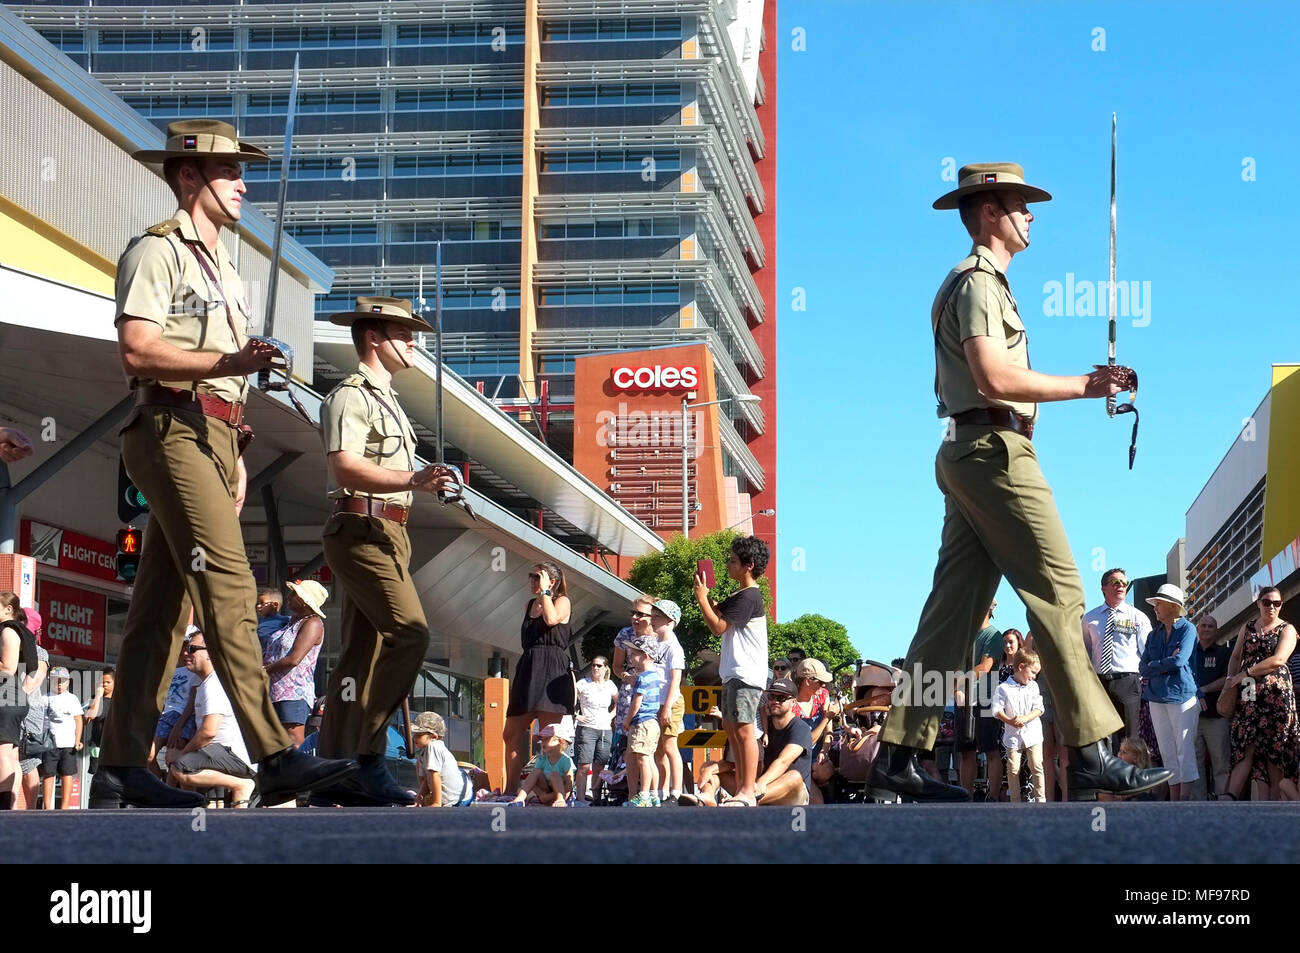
{"x":370,"y":448}
{"x":182,"y":320}
{"x":1000,"y":518}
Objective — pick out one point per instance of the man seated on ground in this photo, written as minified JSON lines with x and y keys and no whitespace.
{"x":717,"y":783}
{"x":787,"y":759}
{"x":216,"y":756}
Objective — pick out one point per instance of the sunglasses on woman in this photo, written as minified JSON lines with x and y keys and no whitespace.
{"x":1275,"y":603}
{"x":640,"y":615}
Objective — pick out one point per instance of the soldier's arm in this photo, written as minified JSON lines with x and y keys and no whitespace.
{"x":999,"y":379}
{"x":145,"y":354}
{"x":354,"y":472}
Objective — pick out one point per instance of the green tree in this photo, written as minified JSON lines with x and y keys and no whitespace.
{"x":818,"y":636}
{"x":671,"y":575}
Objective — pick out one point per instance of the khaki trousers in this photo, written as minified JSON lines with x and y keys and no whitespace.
{"x":193,"y":554}
{"x":1212,"y":736}
{"x":1000,"y":520}
{"x":385,"y":634}
{"x":1034,"y":758}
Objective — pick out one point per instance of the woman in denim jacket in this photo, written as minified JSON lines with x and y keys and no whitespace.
{"x":1169,"y":688}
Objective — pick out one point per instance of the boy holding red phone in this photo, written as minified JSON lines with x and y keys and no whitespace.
{"x":741,"y":621}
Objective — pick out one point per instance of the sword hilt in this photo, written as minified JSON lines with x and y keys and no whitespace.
{"x":281,"y":363}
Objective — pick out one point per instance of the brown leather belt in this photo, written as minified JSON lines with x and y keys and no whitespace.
{"x":385,"y":511}
{"x":996,"y":418}
{"x":156,"y":395}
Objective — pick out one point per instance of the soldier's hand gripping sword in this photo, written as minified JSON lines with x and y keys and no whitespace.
{"x":283,"y":361}
{"x":1131,"y":381}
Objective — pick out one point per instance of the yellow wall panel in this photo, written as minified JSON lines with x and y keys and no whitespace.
{"x":30,"y":245}
{"x":1282,"y":491}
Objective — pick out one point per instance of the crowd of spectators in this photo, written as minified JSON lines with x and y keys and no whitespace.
{"x":799,"y":730}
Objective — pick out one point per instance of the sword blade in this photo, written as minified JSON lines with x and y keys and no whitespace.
{"x":1110,"y":356}
{"x":437,"y":350}
{"x":268,"y":319}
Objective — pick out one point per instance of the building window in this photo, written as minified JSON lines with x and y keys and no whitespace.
{"x":615,"y":94}
{"x":170,"y":106}
{"x":339,"y":233}
{"x":69,"y":41}
{"x":196,"y":40}
{"x":659,"y":226}
{"x":415,"y":166}
{"x":458,"y":34}
{"x":465,"y":299}
{"x":305,"y":168}
{"x":442,"y":99}
{"x":401,"y":233}
{"x":344,"y":101}
{"x":609,"y":295}
{"x":588,"y":31}
{"x":611,"y":160}
{"x":315,"y":38}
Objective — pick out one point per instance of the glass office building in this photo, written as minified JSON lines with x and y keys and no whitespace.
{"x":601,"y":173}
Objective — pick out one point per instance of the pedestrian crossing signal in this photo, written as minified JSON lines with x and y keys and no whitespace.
{"x":130,"y":501}
{"x":129,"y":542}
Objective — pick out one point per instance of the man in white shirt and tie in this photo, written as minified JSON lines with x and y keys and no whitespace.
{"x":1115,"y":633}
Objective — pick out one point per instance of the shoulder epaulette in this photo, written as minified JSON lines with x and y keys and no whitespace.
{"x":163,"y":228}
{"x":353,"y":380}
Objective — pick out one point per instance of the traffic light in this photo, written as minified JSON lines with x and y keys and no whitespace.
{"x":130,"y":501}
{"x":129,"y":541}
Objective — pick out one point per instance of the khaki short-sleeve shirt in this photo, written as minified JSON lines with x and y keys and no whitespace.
{"x":159,"y":279}
{"x":978,"y":304}
{"x":363,"y":416}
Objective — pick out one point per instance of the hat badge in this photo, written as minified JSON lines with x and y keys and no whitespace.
{"x":191,"y":142}
{"x":990,"y":177}
{"x":377,"y":308}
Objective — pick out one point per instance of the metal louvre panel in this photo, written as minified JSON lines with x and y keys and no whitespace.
{"x":706,"y":139}
{"x":735,"y":447}
{"x":315,"y":80}
{"x":59,"y":165}
{"x":550,"y":207}
{"x":269,"y":14}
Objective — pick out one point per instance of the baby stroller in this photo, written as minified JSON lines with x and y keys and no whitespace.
{"x":613,"y":790}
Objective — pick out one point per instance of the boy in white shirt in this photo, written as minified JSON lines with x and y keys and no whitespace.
{"x":1018,"y":704}
{"x":442,"y":782}
{"x":672,"y":707}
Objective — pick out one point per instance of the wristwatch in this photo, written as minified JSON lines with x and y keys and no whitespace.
{"x":546,"y":592}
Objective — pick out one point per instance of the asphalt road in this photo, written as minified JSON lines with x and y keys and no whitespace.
{"x":1191,"y":833}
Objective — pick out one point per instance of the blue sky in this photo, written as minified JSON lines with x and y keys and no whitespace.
{"x":882,"y":95}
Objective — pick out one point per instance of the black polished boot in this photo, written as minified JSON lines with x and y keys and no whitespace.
{"x":379,"y":784}
{"x":372,"y":786}
{"x":136,"y":787}
{"x":896,"y":772}
{"x":1094,"y":770}
{"x":286,"y":774}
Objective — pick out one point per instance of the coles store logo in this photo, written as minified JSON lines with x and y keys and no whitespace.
{"x":655,"y":378}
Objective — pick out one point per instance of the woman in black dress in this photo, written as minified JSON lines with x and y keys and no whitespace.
{"x":543,"y":687}
{"x":1265,"y":732}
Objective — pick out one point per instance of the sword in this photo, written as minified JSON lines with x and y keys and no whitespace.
{"x":1110,"y":357}
{"x":1111,"y":408}
{"x":284,"y":361}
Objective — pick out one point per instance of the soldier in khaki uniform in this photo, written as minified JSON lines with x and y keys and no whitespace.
{"x":370,"y":447}
{"x":1000,"y":518}
{"x":182,"y":333}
